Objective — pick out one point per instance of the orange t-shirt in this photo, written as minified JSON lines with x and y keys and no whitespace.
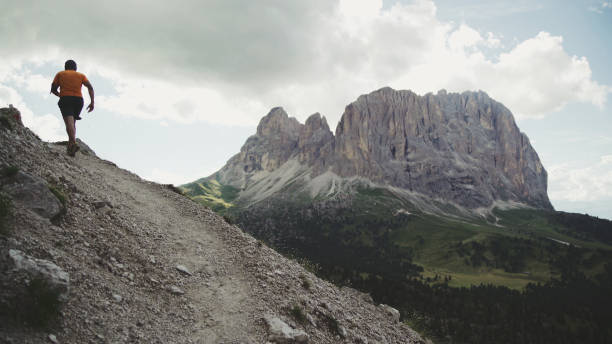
{"x":70,"y":82}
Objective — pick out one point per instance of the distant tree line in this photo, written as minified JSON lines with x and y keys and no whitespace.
{"x":582,"y":226}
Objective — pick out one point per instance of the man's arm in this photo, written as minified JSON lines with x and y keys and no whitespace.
{"x":87,"y":84}
{"x":54,"y":87}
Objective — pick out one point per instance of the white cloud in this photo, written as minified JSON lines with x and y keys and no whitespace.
{"x":571,"y":182}
{"x":464,"y":37}
{"x":229,"y":62}
{"x":161,"y":100}
{"x":606,"y":160}
{"x":538,"y":77}
{"x":493,"y":41}
{"x":360,"y":9}
{"x":601,"y":7}
{"x":30,"y":82}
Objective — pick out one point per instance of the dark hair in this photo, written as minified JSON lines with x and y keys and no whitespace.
{"x":70,"y":65}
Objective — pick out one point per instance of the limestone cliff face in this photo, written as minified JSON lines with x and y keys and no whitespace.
{"x":316,"y":143}
{"x":465,"y":148}
{"x":278,"y":139}
{"x":460,"y":148}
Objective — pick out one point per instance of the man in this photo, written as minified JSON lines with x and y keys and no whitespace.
{"x":69,"y":82}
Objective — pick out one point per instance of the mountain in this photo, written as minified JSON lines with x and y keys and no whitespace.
{"x":435,"y":171}
{"x":434,"y":204}
{"x":91,"y":253}
{"x":439,"y":152}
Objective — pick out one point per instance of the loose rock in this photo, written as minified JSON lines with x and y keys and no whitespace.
{"x":183,"y":269}
{"x":57,"y":278}
{"x":176,"y":290}
{"x":282,"y":333}
{"x":52,"y":339}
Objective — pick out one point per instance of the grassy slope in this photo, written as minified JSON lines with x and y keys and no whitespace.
{"x":454,"y":247}
{"x":211,"y":193}
{"x":435,"y":241}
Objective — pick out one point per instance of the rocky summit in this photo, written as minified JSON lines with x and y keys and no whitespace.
{"x":462,"y":151}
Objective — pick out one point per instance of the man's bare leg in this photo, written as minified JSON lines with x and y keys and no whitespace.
{"x":70,"y":129}
{"x":72,"y":147}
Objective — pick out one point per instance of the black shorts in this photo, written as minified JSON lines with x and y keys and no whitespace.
{"x":71,"y":106}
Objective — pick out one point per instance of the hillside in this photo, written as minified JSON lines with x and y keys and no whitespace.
{"x":139,"y":262}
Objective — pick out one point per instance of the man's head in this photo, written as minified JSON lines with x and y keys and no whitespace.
{"x":70,"y":65}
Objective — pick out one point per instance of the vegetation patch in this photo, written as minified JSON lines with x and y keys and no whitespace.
{"x":212,"y":194}
{"x":298,"y":314}
{"x":332,"y":324}
{"x":61,"y":196}
{"x":306,"y":284}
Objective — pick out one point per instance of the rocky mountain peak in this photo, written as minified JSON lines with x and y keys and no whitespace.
{"x":316,"y":121}
{"x":461,"y":148}
{"x":464,"y":148}
{"x":277,"y":122}
{"x":315,"y":143}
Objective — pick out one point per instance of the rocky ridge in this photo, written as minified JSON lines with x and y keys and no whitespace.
{"x":461,"y":149}
{"x":145,"y":264}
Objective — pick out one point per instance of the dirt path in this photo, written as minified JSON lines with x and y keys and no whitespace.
{"x":217,"y":292}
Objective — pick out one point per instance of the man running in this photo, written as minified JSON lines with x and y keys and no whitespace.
{"x":69,"y":82}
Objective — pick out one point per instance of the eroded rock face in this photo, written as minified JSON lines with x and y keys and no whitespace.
{"x":278,"y":139}
{"x":460,"y":148}
{"x":316,"y":143}
{"x":464,"y":148}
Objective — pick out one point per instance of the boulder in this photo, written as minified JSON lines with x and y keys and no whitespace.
{"x":282,"y":333}
{"x":392,"y":312}
{"x":11,"y":113}
{"x":56,"y":278}
{"x":33,"y":193}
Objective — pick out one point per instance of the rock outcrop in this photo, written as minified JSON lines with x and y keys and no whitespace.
{"x":33,"y":192}
{"x":282,"y":333}
{"x":9,"y":115}
{"x":56,"y":279}
{"x":464,"y":149}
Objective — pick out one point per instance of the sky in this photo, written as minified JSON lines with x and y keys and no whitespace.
{"x":181,"y":85}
